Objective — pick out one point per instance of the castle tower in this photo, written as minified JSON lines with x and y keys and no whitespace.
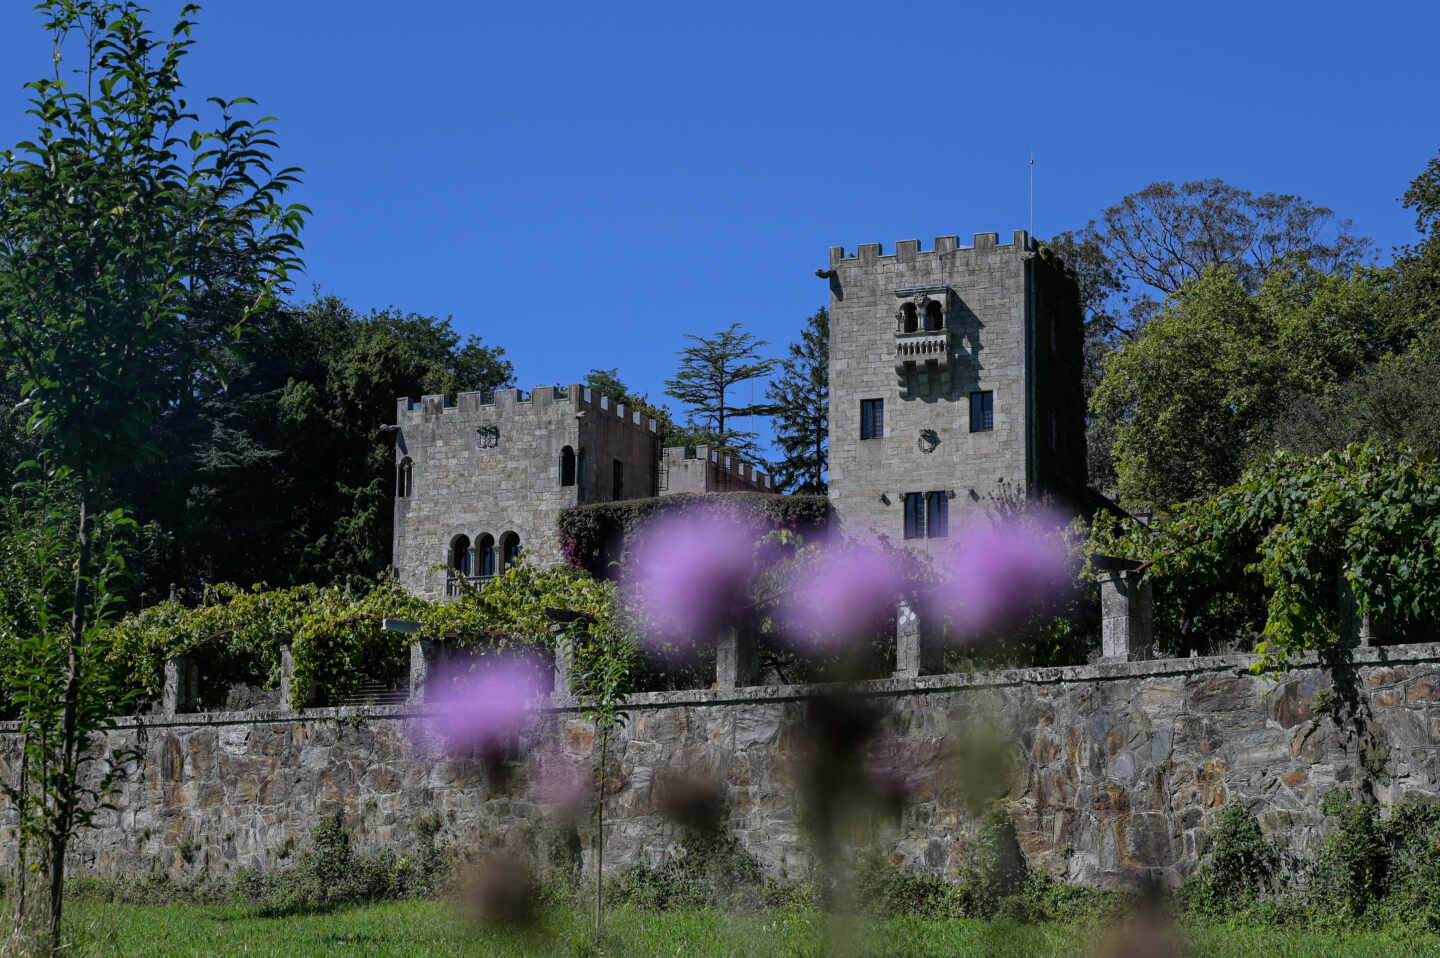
{"x":950,"y":369}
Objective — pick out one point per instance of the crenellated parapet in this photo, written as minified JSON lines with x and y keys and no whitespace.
{"x":908,"y":251}
{"x":518,"y":402}
{"x":703,"y":468}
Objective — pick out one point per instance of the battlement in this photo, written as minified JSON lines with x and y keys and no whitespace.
{"x":868,"y":254}
{"x":578,"y":397}
{"x":679,"y":463}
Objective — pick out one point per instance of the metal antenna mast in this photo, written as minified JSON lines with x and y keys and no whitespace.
{"x":1032,"y":194}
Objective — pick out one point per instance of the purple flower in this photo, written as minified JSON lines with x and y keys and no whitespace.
{"x":690,"y":576}
{"x":485,"y":709}
{"x":1001,"y":570}
{"x":840,"y":596}
{"x":561,"y":783}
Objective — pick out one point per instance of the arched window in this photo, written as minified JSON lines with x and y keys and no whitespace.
{"x":403,"y":478}
{"x":567,"y":466}
{"x":909,"y":318}
{"x":934,"y":317}
{"x":509,"y":550}
{"x":460,"y":554}
{"x":485,"y":555}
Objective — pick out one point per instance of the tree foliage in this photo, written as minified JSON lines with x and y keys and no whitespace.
{"x":706,"y":382}
{"x":800,"y":400}
{"x":123,"y":224}
{"x":1199,"y":392}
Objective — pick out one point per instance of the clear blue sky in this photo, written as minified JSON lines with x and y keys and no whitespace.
{"x":584,"y":184}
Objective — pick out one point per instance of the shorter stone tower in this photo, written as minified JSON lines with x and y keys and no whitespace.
{"x":950,"y":369}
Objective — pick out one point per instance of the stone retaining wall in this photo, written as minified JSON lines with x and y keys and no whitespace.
{"x":1118,"y":768}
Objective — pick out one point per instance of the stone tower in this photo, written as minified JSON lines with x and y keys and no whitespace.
{"x":950,"y":369}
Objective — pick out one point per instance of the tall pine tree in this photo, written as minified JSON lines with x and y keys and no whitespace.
{"x":800,"y":396}
{"x":706,"y":380}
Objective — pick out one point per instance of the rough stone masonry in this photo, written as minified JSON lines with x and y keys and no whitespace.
{"x":1118,"y":769}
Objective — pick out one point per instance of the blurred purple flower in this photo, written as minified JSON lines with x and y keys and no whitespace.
{"x":485,"y":709}
{"x":1001,"y":570}
{"x":839,"y":597}
{"x":561,"y":783}
{"x":890,"y":771}
{"x":690,"y":576}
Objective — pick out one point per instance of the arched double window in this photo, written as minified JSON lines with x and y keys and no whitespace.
{"x":460,"y":554}
{"x":403,"y":478}
{"x":934,"y":317}
{"x":567,"y":466}
{"x":509,"y":550}
{"x":909,"y":318}
{"x":485,"y":555}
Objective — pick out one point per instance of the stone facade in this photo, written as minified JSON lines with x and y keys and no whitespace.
{"x":472,"y":475}
{"x":923,"y":330}
{"x":1116,"y":772}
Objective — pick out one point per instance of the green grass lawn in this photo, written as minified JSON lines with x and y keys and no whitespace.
{"x":425,"y":928}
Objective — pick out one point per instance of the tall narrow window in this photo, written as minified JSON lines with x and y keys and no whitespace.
{"x":509,"y":550}
{"x":872,"y":418}
{"x":982,"y":411}
{"x":403,"y":474}
{"x":567,"y":466}
{"x":914,"y":515}
{"x":934,"y":317}
{"x":460,"y":554}
{"x":617,"y":482}
{"x":485,"y":555}
{"x":580,"y":475}
{"x":937,"y":515}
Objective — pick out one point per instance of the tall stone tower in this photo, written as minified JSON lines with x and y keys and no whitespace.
{"x":950,"y":369}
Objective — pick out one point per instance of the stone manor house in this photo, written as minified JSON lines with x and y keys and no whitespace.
{"x":950,"y":368}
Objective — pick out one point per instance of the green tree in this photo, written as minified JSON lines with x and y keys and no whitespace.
{"x":1201,"y":389}
{"x":706,"y":380}
{"x":1192,"y":397}
{"x":1417,"y":267}
{"x":800,"y":398}
{"x":1151,"y":243}
{"x":118,"y":219}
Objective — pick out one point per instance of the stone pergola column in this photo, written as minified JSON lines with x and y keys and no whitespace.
{"x":1127,"y":609}
{"x":564,"y":660}
{"x":917,"y":648}
{"x":181,"y":692}
{"x":735,"y":660}
{"x":287,"y":677}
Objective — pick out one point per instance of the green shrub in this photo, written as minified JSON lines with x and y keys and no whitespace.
{"x":709,"y":871}
{"x":330,"y":873}
{"x":1241,"y":867}
{"x":1352,"y":870}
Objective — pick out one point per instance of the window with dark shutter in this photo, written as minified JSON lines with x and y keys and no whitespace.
{"x":982,"y":411}
{"x":914,"y":515}
{"x":937,"y":515}
{"x":618,"y":481}
{"x":872,"y":418}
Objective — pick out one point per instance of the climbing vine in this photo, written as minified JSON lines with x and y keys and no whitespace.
{"x":336,"y":635}
{"x":1277,"y":556}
